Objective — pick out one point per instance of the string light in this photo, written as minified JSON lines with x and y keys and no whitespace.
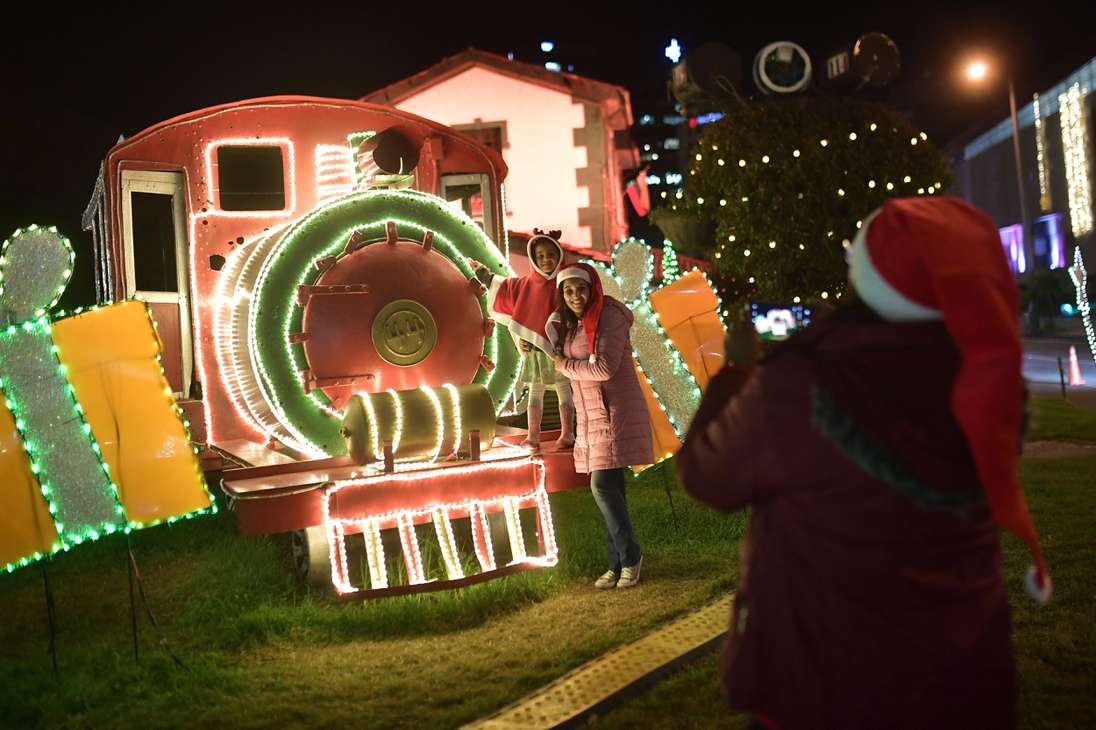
{"x":454,"y":399}
{"x":1079,"y":275}
{"x":203,"y":326}
{"x":374,"y":425}
{"x":28,"y":296}
{"x":444,"y":530}
{"x":672,"y":383}
{"x":412,"y":556}
{"x":334,"y":171}
{"x":1073,"y":121}
{"x":397,"y":415}
{"x":374,"y":551}
{"x":62,"y":452}
{"x":475,"y":503}
{"x":513,"y":529}
{"x":439,"y":419}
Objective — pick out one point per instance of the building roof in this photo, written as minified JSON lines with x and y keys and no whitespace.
{"x":615,"y":97}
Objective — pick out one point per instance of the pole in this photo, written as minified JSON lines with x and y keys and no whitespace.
{"x":1028,"y":244}
{"x":1062,"y":377}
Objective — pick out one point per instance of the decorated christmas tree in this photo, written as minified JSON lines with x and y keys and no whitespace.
{"x":785,"y":184}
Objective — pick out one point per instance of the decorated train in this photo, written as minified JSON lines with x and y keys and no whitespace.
{"x":306,"y":264}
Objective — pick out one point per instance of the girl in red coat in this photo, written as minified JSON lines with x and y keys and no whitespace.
{"x":877,"y":452}
{"x":594,"y":350}
{"x":523,"y":304}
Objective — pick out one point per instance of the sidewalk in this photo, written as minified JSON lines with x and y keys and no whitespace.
{"x":616,"y":675}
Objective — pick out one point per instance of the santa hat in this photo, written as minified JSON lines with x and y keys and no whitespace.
{"x":919,"y":259}
{"x":590,"y":317}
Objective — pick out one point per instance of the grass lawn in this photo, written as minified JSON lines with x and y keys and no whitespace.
{"x":1054,"y":418}
{"x":261,"y":652}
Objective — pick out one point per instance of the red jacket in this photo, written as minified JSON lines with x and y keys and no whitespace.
{"x":870,"y":593}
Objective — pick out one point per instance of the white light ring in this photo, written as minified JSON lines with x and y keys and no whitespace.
{"x":769,"y":84}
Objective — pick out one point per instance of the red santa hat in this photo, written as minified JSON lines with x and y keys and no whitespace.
{"x":594,"y":304}
{"x":941,"y":258}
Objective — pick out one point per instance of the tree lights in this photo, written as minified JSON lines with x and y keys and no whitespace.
{"x":830,"y":162}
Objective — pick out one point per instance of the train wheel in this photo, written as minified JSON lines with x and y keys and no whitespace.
{"x":311,"y":556}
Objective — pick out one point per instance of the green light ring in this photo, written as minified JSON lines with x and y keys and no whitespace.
{"x":373,"y":233}
{"x":310,"y":275}
{"x":322,"y":234}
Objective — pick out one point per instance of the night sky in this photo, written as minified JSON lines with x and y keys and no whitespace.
{"x":74,"y":82}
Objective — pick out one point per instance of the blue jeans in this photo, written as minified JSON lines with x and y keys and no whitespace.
{"x":608,"y":488}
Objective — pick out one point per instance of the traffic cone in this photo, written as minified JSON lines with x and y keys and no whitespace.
{"x":1074,"y":368}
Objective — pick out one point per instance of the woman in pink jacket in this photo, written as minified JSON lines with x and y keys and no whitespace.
{"x":594,"y":350}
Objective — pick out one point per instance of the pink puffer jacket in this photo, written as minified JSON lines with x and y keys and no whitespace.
{"x":613,"y":426}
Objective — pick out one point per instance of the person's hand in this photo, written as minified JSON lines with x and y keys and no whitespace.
{"x":742,"y":346}
{"x":525,"y":346}
{"x":474,"y":264}
{"x":558,"y":360}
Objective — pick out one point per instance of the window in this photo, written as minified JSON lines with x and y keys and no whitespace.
{"x":491,"y":135}
{"x":1048,"y":242}
{"x":1012,"y":239}
{"x":154,"y":242}
{"x":250,"y":177}
{"x":471,"y":195}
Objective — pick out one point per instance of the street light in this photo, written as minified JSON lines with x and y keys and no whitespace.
{"x":977,"y":71}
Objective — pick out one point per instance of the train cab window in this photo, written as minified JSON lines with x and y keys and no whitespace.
{"x":250,"y":177}
{"x":154,"y":238}
{"x":470,"y":194}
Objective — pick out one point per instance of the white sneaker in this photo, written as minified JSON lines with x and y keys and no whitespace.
{"x":608,"y":580}
{"x":630,"y":575}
